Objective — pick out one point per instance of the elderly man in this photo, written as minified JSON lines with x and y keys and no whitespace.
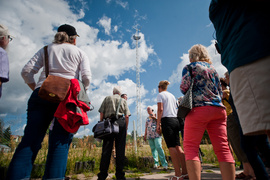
{"x":5,"y":38}
{"x":108,"y":110}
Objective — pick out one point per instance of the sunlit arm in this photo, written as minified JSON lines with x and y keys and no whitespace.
{"x":32,"y":86}
{"x":159,"y":113}
{"x":127,"y":120}
{"x":145,"y":133}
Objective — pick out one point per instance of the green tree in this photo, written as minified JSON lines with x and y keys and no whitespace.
{"x":1,"y":129}
{"x":132,"y":134}
{"x":206,"y":138}
{"x":7,"y":136}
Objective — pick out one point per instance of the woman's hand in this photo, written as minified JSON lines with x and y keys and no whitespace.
{"x":158,"y":129}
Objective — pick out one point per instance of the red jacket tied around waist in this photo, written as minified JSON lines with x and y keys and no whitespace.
{"x":71,"y":113}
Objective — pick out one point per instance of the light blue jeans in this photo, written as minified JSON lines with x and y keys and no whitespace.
{"x":156,"y":148}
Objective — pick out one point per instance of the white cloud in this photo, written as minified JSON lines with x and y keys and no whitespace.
{"x":105,"y":22}
{"x":215,"y":57}
{"x":115,"y":28}
{"x":123,"y":4}
{"x":108,"y":1}
{"x":19,"y":130}
{"x":83,"y":132}
{"x":154,"y":91}
{"x":209,"y":25}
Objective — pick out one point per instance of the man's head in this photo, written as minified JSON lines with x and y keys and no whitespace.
{"x":150,"y":110}
{"x":124,"y":96}
{"x":227,"y":78}
{"x":5,"y":37}
{"x":223,"y":83}
{"x":117,"y":90}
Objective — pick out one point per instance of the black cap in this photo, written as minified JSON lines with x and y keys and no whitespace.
{"x":70,"y":30}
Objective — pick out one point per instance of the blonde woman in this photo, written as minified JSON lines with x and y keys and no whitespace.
{"x":208,"y":113}
{"x":167,"y":118}
{"x":65,"y":60}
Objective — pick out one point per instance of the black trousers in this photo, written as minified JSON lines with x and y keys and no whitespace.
{"x":120,"y":144}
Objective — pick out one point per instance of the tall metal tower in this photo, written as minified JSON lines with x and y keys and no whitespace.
{"x":136,"y":37}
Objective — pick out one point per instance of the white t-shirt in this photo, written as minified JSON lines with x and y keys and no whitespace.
{"x":169,"y":104}
{"x":65,"y":60}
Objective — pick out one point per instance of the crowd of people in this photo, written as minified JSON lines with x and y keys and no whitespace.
{"x":233,"y":109}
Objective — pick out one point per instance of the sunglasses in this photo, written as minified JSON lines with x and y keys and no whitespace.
{"x":10,"y":38}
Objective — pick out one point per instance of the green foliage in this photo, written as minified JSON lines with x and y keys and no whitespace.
{"x":206,"y":138}
{"x":88,"y":149}
{"x":5,"y":134}
{"x":132,"y":134}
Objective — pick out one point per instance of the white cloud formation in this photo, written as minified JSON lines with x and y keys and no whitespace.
{"x":105,"y":22}
{"x":34,"y":23}
{"x":84,"y":131}
{"x":115,"y":28}
{"x":215,"y":57}
{"x":122,"y":3}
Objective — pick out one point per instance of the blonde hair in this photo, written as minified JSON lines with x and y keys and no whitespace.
{"x":62,"y":37}
{"x":199,"y":52}
{"x":163,"y":84}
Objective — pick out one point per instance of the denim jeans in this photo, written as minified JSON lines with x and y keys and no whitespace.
{"x":156,"y":149}
{"x":39,"y":116}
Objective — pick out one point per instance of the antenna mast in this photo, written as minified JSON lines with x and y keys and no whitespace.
{"x":136,"y":37}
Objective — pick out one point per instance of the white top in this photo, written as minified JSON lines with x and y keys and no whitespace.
{"x":169,"y":104}
{"x":65,"y":60}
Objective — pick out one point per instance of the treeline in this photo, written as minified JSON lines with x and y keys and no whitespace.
{"x":5,"y":134}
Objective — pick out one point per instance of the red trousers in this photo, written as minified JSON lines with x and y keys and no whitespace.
{"x":212,"y":119}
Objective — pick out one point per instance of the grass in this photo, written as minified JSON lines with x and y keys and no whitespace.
{"x":85,"y":150}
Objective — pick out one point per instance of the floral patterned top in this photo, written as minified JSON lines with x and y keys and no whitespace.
{"x":151,"y":125}
{"x":207,"y":88}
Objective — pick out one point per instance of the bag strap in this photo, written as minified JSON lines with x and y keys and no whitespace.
{"x":117,"y":110}
{"x":192,"y":80}
{"x":46,"y":61}
{"x":190,"y":70}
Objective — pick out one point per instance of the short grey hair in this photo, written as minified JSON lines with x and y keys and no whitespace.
{"x":117,"y":90}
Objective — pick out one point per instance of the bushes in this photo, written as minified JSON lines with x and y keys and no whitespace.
{"x":85,"y":154}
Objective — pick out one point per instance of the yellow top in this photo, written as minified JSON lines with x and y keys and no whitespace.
{"x":226,"y":104}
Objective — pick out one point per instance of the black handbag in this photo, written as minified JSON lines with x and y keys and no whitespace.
{"x":185,"y":105}
{"x":106,"y":127}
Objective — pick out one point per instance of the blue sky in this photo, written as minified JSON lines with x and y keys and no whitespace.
{"x":167,"y":28}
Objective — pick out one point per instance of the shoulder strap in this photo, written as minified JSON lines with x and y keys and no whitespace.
{"x":117,"y":111}
{"x":46,"y":61}
{"x":190,"y":70}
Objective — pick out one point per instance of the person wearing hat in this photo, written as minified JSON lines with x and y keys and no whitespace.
{"x":5,"y":38}
{"x":108,"y":109}
{"x":67,"y":61}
